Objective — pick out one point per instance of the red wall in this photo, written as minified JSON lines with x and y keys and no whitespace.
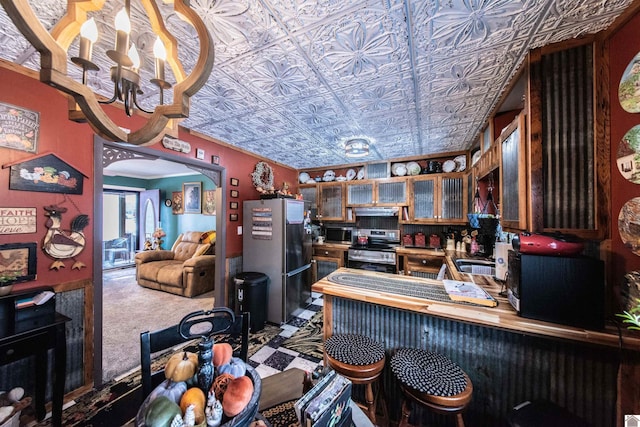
{"x":73,"y":143}
{"x":624,"y":45}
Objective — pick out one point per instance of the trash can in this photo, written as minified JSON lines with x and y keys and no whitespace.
{"x":251,"y":296}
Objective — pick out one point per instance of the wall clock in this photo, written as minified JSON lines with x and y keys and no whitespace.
{"x":168,"y":203}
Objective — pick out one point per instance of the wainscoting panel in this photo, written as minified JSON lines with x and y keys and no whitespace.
{"x":506,"y":368}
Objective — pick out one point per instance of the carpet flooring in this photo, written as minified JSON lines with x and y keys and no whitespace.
{"x":129,"y":309}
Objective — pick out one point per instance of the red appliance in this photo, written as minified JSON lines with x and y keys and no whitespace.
{"x":556,"y":244}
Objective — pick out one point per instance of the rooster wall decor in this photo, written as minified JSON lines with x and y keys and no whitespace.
{"x":64,"y":244}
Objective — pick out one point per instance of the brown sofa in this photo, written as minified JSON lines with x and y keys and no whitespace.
{"x":187,"y":269}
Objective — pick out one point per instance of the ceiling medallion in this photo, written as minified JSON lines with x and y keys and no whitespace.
{"x":357,"y":146}
{"x":53,"y":48}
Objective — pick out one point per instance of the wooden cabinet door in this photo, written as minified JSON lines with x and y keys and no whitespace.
{"x":452,"y":199}
{"x":513,"y":186}
{"x":360,"y":193}
{"x":392,"y":192}
{"x":422,"y":199}
{"x":438,"y":198}
{"x":331,"y":201}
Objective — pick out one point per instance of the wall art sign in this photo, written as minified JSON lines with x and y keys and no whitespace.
{"x":176,"y":144}
{"x":629,"y":88}
{"x":45,"y":173}
{"x":17,"y":220}
{"x":192,"y":196}
{"x":209,"y":202}
{"x":18,"y":261}
{"x":628,"y":158}
{"x":19,"y":128}
{"x":177,"y":205}
{"x":629,"y":225}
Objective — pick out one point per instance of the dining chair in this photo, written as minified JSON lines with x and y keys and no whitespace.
{"x":221,"y":323}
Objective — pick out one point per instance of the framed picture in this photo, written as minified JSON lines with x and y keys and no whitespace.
{"x":215,"y":160}
{"x":234,"y":194}
{"x":233,"y":217}
{"x":19,"y":262}
{"x":200,"y":154}
{"x":177,"y":203}
{"x":234,"y":182}
{"x":209,"y":202}
{"x":233,"y":205}
{"x":192,"y":196}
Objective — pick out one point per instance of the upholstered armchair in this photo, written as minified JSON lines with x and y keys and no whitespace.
{"x":187,"y":269}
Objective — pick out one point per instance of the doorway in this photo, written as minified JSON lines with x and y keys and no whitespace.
{"x":120,"y":201}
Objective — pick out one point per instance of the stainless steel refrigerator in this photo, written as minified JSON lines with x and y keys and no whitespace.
{"x":277,"y":242}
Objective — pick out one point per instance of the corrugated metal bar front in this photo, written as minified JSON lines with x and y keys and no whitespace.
{"x":505,"y":368}
{"x":568,"y":139}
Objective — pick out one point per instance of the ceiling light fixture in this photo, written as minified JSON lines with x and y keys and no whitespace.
{"x":53,"y":47}
{"x":357,"y":146}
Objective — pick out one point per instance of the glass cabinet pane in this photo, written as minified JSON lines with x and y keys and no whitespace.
{"x":360,"y":194}
{"x":392,"y":192}
{"x":424,"y":202}
{"x":452,"y":198}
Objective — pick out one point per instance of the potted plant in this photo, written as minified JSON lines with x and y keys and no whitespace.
{"x":7,"y":279}
{"x":632,"y":316}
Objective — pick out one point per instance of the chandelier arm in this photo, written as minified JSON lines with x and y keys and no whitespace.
{"x":135,"y":102}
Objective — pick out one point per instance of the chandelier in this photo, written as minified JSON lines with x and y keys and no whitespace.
{"x":54,"y":46}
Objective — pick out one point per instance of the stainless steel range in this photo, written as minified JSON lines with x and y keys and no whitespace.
{"x":374,"y":250}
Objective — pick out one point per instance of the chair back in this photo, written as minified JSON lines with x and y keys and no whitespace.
{"x":219,"y":321}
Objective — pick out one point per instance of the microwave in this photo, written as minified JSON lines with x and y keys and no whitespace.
{"x":565,"y":290}
{"x":339,"y":235}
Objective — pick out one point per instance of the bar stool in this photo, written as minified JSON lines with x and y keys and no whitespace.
{"x":432,"y":380}
{"x":360,"y":359}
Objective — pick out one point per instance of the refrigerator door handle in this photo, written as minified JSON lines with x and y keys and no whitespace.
{"x":299,"y":270}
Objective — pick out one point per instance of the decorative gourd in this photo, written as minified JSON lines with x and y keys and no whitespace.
{"x":194,"y":396}
{"x":170,"y":389}
{"x":220,"y":384}
{"x":181,"y":366}
{"x":222,"y":353}
{"x":237,"y":396}
{"x":160,"y":412}
{"x":235,"y":367}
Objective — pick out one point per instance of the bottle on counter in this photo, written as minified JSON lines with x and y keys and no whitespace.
{"x":474,"y":246}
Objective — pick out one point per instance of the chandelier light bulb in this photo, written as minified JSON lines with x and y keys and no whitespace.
{"x":135,"y":57}
{"x":122,"y":21}
{"x":159,"y":50}
{"x":89,"y":30}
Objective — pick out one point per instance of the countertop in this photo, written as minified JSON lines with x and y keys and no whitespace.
{"x":502,"y":316}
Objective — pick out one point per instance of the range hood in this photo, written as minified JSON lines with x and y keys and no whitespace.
{"x":377,"y":211}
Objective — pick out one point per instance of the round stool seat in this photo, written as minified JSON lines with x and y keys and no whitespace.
{"x":432,"y":379}
{"x":360,"y":359}
{"x":356,"y":356}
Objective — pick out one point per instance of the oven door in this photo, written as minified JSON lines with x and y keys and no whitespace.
{"x":371,"y":266}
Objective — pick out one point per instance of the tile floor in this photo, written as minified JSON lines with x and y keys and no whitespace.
{"x":273,"y":358}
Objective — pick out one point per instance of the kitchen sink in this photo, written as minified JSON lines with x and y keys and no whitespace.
{"x":476,"y":266}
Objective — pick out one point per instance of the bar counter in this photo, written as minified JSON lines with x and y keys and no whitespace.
{"x":510,"y":359}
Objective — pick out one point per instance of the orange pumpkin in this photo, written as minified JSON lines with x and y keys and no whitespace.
{"x":181,"y":366}
{"x":237,"y":396}
{"x":194,"y":396}
{"x":220,"y":385}
{"x":222,"y":353}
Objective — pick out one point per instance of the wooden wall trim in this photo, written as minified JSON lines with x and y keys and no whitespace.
{"x":534,"y":129}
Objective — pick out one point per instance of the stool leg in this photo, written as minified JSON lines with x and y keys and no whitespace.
{"x":406,"y":411}
{"x":371,"y":407}
{"x":459,"y":420}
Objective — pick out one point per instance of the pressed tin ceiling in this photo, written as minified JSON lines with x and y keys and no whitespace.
{"x":293,"y":79}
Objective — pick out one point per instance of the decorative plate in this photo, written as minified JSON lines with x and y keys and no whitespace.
{"x":340,"y":178}
{"x":413,"y":168}
{"x":461,"y":162}
{"x":399,"y":169}
{"x":360,"y":173}
{"x":304,"y":177}
{"x":476,"y":156}
{"x":449,"y":166}
{"x":627,"y":93}
{"x":351,"y":174}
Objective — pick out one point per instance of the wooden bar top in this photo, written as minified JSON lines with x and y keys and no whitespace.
{"x":503,"y":316}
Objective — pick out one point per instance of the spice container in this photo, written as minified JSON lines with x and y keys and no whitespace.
{"x":434,"y":241}
{"x":407,"y":240}
{"x":420,"y":240}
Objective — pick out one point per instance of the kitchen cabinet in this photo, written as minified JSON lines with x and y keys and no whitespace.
{"x":425,"y":265}
{"x":438,"y":198}
{"x":326,"y":261}
{"x":383,"y":192}
{"x":513,"y":186}
{"x":310,"y":193}
{"x":331,"y":198}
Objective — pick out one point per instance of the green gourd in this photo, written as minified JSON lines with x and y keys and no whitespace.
{"x":160,"y":412}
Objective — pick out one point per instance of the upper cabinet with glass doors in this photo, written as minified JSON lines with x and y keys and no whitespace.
{"x":438,"y":198}
{"x":380,"y":192}
{"x":513,"y":185}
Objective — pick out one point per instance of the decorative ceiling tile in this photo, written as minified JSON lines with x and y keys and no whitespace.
{"x":293,"y":78}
